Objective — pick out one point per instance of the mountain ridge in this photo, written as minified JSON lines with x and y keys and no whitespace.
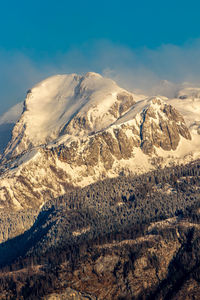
{"x":75,"y":130}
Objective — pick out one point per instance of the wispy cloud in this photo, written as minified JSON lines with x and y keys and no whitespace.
{"x":17,"y":74}
{"x":133,"y":69}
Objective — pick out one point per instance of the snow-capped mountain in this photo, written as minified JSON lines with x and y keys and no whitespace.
{"x":86,"y":102}
{"x":75,"y":130}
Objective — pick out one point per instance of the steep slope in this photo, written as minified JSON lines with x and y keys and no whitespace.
{"x":76,"y":130}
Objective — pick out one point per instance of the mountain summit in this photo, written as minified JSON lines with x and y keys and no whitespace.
{"x":73,"y":104}
{"x":75,"y":130}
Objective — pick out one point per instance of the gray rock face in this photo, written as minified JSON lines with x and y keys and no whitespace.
{"x":158,"y":128}
{"x":162,"y":129}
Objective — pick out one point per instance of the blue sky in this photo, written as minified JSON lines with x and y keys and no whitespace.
{"x":135,"y":42}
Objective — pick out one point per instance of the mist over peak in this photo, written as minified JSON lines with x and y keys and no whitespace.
{"x":163,"y":70}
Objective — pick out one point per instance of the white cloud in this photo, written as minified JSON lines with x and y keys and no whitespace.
{"x":133,"y":69}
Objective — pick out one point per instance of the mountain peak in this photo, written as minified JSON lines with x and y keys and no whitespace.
{"x":70,"y":104}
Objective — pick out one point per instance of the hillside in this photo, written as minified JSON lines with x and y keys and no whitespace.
{"x":126,"y":237}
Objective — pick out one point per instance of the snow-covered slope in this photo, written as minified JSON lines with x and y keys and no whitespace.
{"x":75,"y":130}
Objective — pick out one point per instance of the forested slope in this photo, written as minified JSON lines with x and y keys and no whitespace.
{"x":123,"y":238}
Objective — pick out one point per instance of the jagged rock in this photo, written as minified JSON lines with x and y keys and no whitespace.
{"x":112,"y":144}
{"x":125,"y":143}
{"x":126,"y":100}
{"x":78,"y":123}
{"x":162,"y":128}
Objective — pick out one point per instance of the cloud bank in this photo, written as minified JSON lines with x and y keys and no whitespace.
{"x":154,"y":71}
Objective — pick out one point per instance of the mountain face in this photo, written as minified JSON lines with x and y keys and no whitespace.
{"x":99,"y":193}
{"x":75,"y":130}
